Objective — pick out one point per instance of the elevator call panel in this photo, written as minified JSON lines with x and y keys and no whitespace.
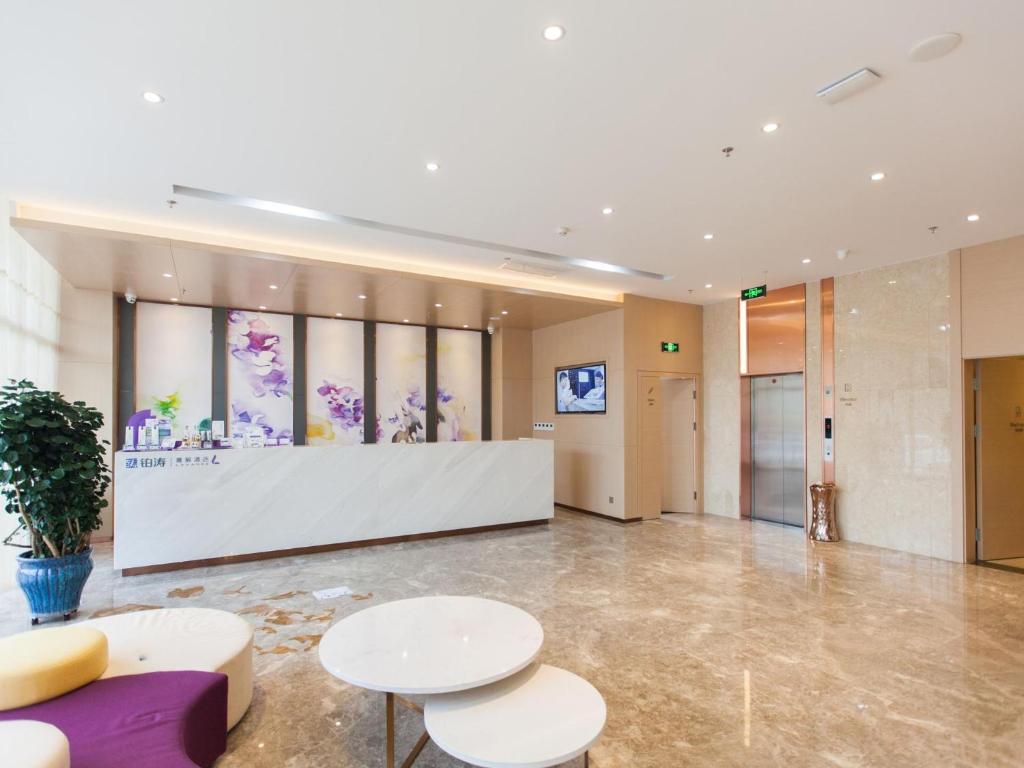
{"x":828,"y":438}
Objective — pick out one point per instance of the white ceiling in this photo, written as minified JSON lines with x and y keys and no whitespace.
{"x":338,"y":105}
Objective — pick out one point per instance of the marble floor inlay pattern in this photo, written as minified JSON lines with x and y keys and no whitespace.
{"x":715,"y":642}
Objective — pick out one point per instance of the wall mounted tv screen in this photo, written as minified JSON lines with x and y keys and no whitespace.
{"x":580,"y":389}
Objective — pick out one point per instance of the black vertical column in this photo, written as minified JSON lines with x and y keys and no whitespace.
{"x":125,"y":368}
{"x":485,"y":385}
{"x":219,"y":394}
{"x":431,"y":385}
{"x":299,"y":380}
{"x":369,"y":382}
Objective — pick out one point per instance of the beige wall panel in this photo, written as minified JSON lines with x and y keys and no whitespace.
{"x":85,"y":368}
{"x":589,"y":455}
{"x":893,"y":412}
{"x":992,"y":285}
{"x":721,"y":414}
{"x":812,"y":388}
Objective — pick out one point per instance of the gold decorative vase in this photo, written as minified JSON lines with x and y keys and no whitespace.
{"x":823,"y":513}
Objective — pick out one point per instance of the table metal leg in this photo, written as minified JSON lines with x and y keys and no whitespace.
{"x":390,"y":699}
{"x":586,"y":759}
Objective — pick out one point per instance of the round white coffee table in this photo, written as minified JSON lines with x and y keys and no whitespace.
{"x":429,"y":645}
{"x":542,"y":716}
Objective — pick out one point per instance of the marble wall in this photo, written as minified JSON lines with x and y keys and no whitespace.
{"x":893,"y":412}
{"x":812,"y":387}
{"x":721,"y":409}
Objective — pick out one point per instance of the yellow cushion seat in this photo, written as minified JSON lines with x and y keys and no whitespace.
{"x":45,"y":663}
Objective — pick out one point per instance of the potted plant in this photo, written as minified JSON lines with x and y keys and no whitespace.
{"x":53,"y":478}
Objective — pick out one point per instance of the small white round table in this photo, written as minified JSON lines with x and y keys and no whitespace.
{"x":429,"y":645}
{"x":540,"y":717}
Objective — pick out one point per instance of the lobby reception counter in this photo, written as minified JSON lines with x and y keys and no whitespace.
{"x":175,"y":509}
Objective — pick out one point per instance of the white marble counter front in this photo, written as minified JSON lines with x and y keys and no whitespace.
{"x":173,"y":507}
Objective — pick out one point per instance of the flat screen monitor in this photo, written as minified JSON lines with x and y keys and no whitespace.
{"x":580,"y":389}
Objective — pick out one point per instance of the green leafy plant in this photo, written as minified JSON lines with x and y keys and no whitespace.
{"x":51,"y":467}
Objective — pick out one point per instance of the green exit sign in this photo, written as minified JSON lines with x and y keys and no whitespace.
{"x":670,"y":346}
{"x":754,"y":293}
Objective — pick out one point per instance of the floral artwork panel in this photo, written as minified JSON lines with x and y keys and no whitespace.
{"x":459,"y":396}
{"x":260,"y":372}
{"x":174,"y":363}
{"x":401,"y":383}
{"x":334,"y":382}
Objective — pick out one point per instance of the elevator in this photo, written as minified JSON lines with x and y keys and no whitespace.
{"x":777,"y":448}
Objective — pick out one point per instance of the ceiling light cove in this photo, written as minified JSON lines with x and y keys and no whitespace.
{"x":152,"y":97}
{"x":553,"y":33}
{"x":877,"y":176}
{"x":770,"y":127}
{"x":287,"y":209}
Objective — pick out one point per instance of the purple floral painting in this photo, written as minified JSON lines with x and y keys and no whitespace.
{"x":334,"y":374}
{"x":459,"y":404}
{"x":260,"y":377}
{"x":401,"y":383}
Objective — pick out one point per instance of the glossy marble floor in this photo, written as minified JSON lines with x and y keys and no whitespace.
{"x":715,"y":642}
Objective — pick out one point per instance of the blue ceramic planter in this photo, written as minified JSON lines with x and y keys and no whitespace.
{"x":53,"y":585}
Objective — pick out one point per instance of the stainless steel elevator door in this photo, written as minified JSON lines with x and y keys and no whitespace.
{"x":777,"y":448}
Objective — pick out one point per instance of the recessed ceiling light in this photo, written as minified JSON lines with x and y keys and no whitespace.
{"x":495,"y":317}
{"x":707,"y":285}
{"x":893,"y":282}
{"x":362,"y":296}
{"x":805,"y":261}
{"x":152,"y":97}
{"x":432,"y":167}
{"x":405,"y":319}
{"x":877,"y":176}
{"x":168,"y":274}
{"x":439,"y":305}
{"x":973,"y":217}
{"x":504,"y":311}
{"x":854,"y":311}
{"x":554,"y":32}
{"x":608,"y":211}
{"x":465,"y":325}
{"x":174,"y":298}
{"x":709,"y":236}
{"x":337,"y":314}
{"x":272,"y":287}
{"x":770,"y":127}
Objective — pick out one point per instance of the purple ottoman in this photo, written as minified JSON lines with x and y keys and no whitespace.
{"x":159,"y":719}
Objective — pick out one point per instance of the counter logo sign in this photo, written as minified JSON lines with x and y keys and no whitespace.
{"x":133,"y":462}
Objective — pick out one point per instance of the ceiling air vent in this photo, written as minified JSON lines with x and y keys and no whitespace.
{"x":527,"y":269}
{"x":848,"y":86}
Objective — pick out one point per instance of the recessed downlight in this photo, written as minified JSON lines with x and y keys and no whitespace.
{"x":553,"y":32}
{"x":707,"y":285}
{"x":877,"y":176}
{"x":338,"y":314}
{"x":433,"y":167}
{"x":262,"y":307}
{"x":174,"y":298}
{"x":272,"y":287}
{"x":362,"y":296}
{"x":805,"y":261}
{"x":504,"y":311}
{"x":405,"y":319}
{"x":973,"y":217}
{"x":168,"y":274}
{"x":465,"y":325}
{"x":608,"y":210}
{"x":709,"y":236}
{"x":439,"y":306}
{"x":893,"y":282}
{"x":152,"y":97}
{"x":770,"y":127}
